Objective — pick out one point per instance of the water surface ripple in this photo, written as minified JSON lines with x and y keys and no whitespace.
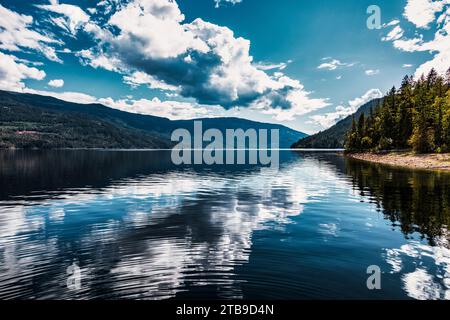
{"x":140,"y":228}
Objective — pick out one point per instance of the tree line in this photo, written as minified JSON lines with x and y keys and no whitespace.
{"x":416,"y":116}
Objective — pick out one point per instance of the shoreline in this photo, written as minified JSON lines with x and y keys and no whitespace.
{"x":407,"y":159}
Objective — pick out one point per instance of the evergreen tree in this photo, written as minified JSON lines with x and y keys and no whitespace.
{"x":352,"y":137}
{"x":404,"y":123}
{"x":416,"y":116}
{"x":361,"y":126}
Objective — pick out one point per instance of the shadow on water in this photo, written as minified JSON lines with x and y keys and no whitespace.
{"x":414,"y":200}
{"x":36,"y":172}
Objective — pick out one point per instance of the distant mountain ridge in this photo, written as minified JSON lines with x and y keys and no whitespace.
{"x":31,"y":120}
{"x":334,"y":137}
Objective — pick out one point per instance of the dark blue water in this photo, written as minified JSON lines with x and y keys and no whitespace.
{"x":140,"y":228}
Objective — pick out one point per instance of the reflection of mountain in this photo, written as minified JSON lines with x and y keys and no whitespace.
{"x":26,"y":171}
{"x":40,"y":171}
{"x":416,"y":201}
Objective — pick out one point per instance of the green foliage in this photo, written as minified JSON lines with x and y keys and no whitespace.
{"x":29,"y":127}
{"x":335,"y":136}
{"x":415,"y":116}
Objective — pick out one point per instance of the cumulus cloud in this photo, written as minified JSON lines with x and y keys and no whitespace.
{"x":299,"y":100}
{"x":333,"y":64}
{"x":98,"y":60}
{"x":149,"y":43}
{"x":341,"y":112}
{"x":56,"y":83}
{"x":141,"y":78}
{"x":13,"y":72}
{"x":199,"y":60}
{"x":68,"y":17}
{"x":174,"y":110}
{"x":409,"y":45}
{"x":16,"y":34}
{"x":423,"y":14}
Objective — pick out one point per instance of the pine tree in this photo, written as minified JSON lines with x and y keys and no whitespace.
{"x":421,"y":138}
{"x":361,"y":126}
{"x":446,"y":122}
{"x":447,"y":79}
{"x":417,"y":115}
{"x":352,"y":137}
{"x":405,"y":112}
{"x":438,"y":129}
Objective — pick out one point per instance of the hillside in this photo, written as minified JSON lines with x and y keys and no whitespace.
{"x":28,"y":120}
{"x":334,"y":137}
{"x":25,"y":126}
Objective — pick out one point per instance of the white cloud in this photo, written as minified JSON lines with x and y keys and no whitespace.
{"x":300,"y":100}
{"x":409,"y":45}
{"x":15,"y":34}
{"x":395,"y":34}
{"x":272,"y":66}
{"x":154,"y":28}
{"x":174,"y":110}
{"x":99,"y":60}
{"x":56,"y":83}
{"x":69,"y":17}
{"x":200,"y":60}
{"x":76,"y":97}
{"x":333,"y":64}
{"x":13,"y":72}
{"x":422,"y":12}
{"x":218,"y":2}
{"x":141,"y":78}
{"x":407,"y":65}
{"x":392,"y":23}
{"x":196,"y":60}
{"x":341,"y":112}
{"x":371,"y":72}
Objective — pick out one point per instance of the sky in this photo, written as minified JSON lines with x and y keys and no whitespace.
{"x":305,"y":64}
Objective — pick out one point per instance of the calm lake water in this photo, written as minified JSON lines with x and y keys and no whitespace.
{"x":140,"y":228}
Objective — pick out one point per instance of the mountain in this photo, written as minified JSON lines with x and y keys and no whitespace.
{"x":29,"y":120}
{"x":334,"y":137}
{"x":288,"y":136}
{"x":23,"y":125}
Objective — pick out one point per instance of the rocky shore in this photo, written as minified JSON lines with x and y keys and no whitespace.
{"x":407,"y":159}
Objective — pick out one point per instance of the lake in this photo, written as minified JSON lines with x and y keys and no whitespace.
{"x":134,"y":226}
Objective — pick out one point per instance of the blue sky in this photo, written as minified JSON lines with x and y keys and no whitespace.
{"x":305,"y":64}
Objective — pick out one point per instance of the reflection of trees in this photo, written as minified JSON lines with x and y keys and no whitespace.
{"x":418,"y":200}
{"x":23,"y":172}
